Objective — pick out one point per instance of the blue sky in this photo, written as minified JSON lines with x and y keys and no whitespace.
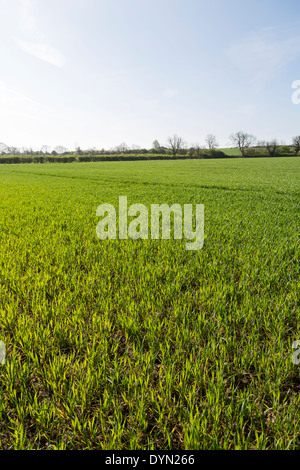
{"x":97,"y":73}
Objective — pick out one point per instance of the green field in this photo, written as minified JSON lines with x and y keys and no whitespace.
{"x":231,"y":152}
{"x":123,"y":344}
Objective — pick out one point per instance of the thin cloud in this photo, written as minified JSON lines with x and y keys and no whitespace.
{"x":35,"y":43}
{"x":42,"y":51}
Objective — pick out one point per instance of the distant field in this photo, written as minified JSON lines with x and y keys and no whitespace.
{"x":142,"y":344}
{"x":231,"y":151}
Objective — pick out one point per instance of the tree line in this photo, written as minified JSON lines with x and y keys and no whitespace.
{"x":246,"y":143}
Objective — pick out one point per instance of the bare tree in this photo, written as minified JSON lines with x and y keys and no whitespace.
{"x":242,"y":141}
{"x":46,"y":149}
{"x":3,"y":148}
{"x":296,"y":144}
{"x":272,"y":147}
{"x":196,"y":150}
{"x":15,"y":150}
{"x":135,"y":148}
{"x":175,"y":144}
{"x":211,"y":141}
{"x":92,"y":150}
{"x":60,"y":149}
{"x":121,"y":148}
